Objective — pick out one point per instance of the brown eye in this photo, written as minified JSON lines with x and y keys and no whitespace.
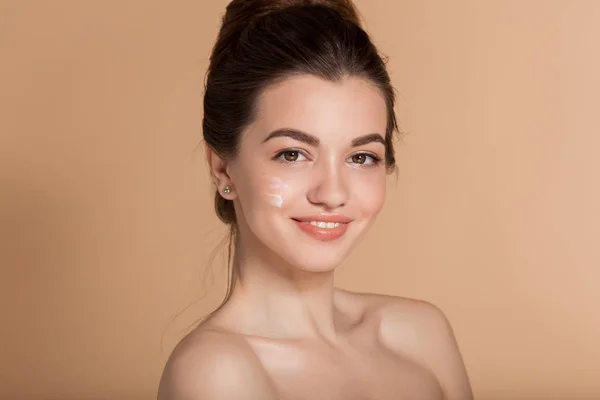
{"x":290,"y":156}
{"x":359,"y":158}
{"x":364,"y":159}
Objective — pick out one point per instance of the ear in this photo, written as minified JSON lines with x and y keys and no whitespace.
{"x":219,"y":173}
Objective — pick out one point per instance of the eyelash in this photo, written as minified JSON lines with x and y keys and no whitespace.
{"x":375,"y":159}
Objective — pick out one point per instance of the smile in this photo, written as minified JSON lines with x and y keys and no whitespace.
{"x":332,"y":228}
{"x":323,"y":224}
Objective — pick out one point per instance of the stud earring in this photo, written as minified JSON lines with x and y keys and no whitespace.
{"x":226,"y":190}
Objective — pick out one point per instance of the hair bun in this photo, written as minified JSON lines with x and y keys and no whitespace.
{"x":240,"y":11}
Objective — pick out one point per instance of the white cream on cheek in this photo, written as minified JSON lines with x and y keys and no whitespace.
{"x":276,"y":191}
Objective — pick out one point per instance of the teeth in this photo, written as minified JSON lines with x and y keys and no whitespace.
{"x":326,"y":225}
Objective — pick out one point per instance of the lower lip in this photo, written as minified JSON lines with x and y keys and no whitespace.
{"x":322,"y":234}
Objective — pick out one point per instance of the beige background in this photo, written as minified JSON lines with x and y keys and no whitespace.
{"x":106,"y":221}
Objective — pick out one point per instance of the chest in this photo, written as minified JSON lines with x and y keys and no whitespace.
{"x":362,"y":373}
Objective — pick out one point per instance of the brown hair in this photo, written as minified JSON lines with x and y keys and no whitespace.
{"x":264,"y":41}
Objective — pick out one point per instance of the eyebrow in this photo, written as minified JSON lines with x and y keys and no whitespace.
{"x":314,"y":141}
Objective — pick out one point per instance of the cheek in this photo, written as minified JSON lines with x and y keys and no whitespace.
{"x":370,"y":194}
{"x":274,"y":191}
{"x":257,"y":195}
{"x":284,"y":191}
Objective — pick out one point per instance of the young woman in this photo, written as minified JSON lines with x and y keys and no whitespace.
{"x":298,"y":123}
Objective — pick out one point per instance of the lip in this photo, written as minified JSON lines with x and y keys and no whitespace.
{"x":325,"y":218}
{"x":323,"y":234}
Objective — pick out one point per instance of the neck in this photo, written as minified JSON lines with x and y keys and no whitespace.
{"x":279,"y":300}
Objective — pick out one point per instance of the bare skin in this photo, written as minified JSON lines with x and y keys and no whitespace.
{"x":387,"y":348}
{"x":287,"y":333}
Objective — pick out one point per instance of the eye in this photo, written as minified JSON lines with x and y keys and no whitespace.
{"x":364,"y":159}
{"x":359,"y":158}
{"x":290,"y":156}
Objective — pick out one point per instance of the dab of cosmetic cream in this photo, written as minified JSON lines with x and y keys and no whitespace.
{"x":276,"y":195}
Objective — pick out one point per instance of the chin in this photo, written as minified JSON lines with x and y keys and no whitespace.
{"x":311,"y":254}
{"x":315,"y":260}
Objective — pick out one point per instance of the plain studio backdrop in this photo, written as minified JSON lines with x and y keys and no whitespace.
{"x":106,"y":210}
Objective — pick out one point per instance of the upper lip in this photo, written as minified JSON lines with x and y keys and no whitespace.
{"x":325,"y":218}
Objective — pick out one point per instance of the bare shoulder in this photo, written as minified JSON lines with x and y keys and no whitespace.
{"x":400,"y":314}
{"x":420,"y":330}
{"x":394,"y":310}
{"x":206,"y":363}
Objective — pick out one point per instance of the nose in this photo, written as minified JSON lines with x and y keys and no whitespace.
{"x":328,"y":187}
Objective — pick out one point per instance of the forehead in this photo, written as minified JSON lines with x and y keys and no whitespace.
{"x":350,"y":107}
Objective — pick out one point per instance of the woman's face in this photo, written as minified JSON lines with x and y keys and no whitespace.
{"x":310,"y":176}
